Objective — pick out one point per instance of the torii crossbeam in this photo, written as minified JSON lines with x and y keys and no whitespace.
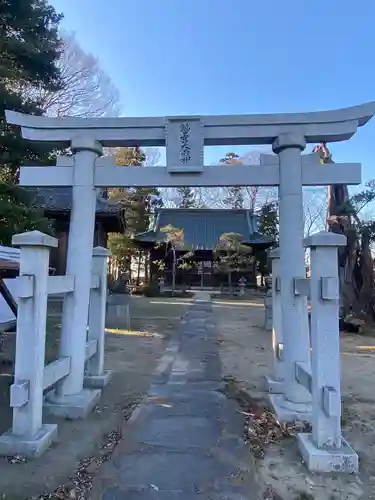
{"x":108,"y":174}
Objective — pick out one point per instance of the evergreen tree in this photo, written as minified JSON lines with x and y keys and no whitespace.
{"x":268,"y":225}
{"x":187,"y":197}
{"x":29,"y":48}
{"x":231,"y":255}
{"x":139,"y":203}
{"x":268,"y":221}
{"x":235,"y":196}
{"x":139,"y":206}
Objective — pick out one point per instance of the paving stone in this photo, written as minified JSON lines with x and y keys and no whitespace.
{"x":187,"y":472}
{"x":151,"y":494}
{"x":198,"y":391}
{"x":161,"y":378}
{"x":207,"y":409}
{"x":147,"y":494}
{"x":180,"y":433}
{"x":186,"y":441}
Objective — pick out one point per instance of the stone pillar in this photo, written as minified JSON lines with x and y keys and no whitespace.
{"x":325,"y":450}
{"x":70,"y":399}
{"x":295,"y":404}
{"x":268,"y":315}
{"x":242,"y":285}
{"x":275,"y":383}
{"x":28,"y":436}
{"x":95,"y":376}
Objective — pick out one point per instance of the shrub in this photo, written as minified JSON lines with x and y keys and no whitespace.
{"x":151,"y":289}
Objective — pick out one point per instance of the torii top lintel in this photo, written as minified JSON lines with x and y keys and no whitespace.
{"x":316,"y":126}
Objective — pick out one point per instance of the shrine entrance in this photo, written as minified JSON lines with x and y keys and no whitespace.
{"x":185,"y":138}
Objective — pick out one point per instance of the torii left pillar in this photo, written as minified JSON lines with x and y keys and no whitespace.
{"x":70,"y":399}
{"x":295,"y":402}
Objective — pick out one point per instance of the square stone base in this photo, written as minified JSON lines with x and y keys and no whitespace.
{"x":274,"y":386}
{"x":97,"y":381}
{"x":33,"y":447}
{"x":286,"y":411}
{"x":74,"y":407}
{"x":344,"y":459}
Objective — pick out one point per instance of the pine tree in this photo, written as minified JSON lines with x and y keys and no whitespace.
{"x":139,"y":203}
{"x":29,"y":48}
{"x":235,"y":196}
{"x":139,"y":207}
{"x":187,"y":197}
{"x":268,"y":225}
{"x":268,"y":222}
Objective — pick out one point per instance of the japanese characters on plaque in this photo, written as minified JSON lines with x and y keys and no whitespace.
{"x":184,"y":144}
{"x":185,"y":156}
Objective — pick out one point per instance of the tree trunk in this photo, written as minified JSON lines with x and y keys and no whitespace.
{"x":147,"y":267}
{"x":128,"y":267}
{"x":139,"y":268}
{"x":356,"y":275}
{"x":174,"y":271}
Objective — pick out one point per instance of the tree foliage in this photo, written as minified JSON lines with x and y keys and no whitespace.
{"x":138,"y":206}
{"x":235,"y":195}
{"x":268,"y":225}
{"x":174,"y":240}
{"x":139,"y":203}
{"x":186,"y":197}
{"x":231,"y":255}
{"x":29,"y":47}
{"x":16,"y":216}
{"x":268,"y":220}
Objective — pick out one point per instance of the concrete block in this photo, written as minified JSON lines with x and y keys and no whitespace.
{"x":343,"y":459}
{"x":274,"y":386}
{"x":286,"y":411}
{"x":73,"y":407}
{"x":97,"y":381}
{"x":29,"y":447}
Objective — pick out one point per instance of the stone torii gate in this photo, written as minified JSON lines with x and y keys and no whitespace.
{"x":185,"y":138}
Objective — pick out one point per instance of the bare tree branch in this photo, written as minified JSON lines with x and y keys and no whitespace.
{"x":87,"y":91}
{"x":315,"y":205}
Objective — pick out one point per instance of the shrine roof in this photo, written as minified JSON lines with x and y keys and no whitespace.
{"x":60,"y":200}
{"x":203,"y":227}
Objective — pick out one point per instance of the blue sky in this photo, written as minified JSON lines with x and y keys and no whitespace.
{"x":235,"y":56}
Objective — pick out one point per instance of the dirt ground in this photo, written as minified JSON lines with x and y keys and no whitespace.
{"x":246,"y":356}
{"x":83,"y":445}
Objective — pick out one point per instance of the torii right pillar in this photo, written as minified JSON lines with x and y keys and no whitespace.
{"x":295,"y":402}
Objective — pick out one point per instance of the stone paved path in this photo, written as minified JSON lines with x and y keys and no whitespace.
{"x":185,"y":440}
